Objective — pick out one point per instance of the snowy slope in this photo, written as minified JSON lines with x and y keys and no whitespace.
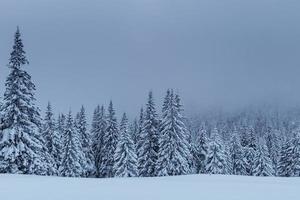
{"x":205,"y":187}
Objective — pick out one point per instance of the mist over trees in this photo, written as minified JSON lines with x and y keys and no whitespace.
{"x":251,"y":142}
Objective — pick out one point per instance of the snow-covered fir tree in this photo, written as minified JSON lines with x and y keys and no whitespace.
{"x":228,"y":160}
{"x":249,"y":139}
{"x":1,"y":104}
{"x":134,"y":131}
{"x":125,"y":164}
{"x":138,"y":138}
{"x":98,"y":131}
{"x":110,"y":141}
{"x":174,"y":150}
{"x":21,"y":144}
{"x":97,"y":138}
{"x":237,"y":156}
{"x":199,"y":150}
{"x":86,"y":142}
{"x":262,"y":162}
{"x":216,"y":157}
{"x":95,"y":120}
{"x":73,"y":158}
{"x":1,"y":116}
{"x":249,"y":154}
{"x":51,"y":136}
{"x":186,"y":135}
{"x":148,"y":140}
{"x":285,"y":162}
{"x":289,"y":163}
{"x":249,"y":149}
{"x":243,"y":135}
{"x":60,"y":128}
{"x":272,"y":143}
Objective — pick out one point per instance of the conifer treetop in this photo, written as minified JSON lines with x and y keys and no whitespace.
{"x":17,"y":56}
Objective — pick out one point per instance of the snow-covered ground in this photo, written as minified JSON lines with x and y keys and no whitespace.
{"x":200,"y":187}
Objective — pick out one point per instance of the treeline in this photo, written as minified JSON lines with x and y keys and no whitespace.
{"x":254,"y":142}
{"x":155,"y":144}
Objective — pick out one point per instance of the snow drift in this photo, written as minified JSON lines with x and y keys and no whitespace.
{"x":205,"y":187}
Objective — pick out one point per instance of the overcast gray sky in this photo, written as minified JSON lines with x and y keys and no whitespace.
{"x":216,"y":53}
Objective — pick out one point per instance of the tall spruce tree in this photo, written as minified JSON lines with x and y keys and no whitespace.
{"x":249,"y":150}
{"x":272,"y":143}
{"x":138,"y":139}
{"x":134,"y":131}
{"x":216,"y":158}
{"x":199,"y":150}
{"x":228,"y":160}
{"x":73,"y":159}
{"x":21,"y":144}
{"x":1,"y":119}
{"x":86,"y":142}
{"x":237,"y":156}
{"x":51,"y":136}
{"x":98,"y":131}
{"x":60,"y":124}
{"x":174,"y":150}
{"x":110,"y":141}
{"x":285,"y":162}
{"x":125,"y":164}
{"x":60,"y":128}
{"x":148,"y":140}
{"x":249,"y":154}
{"x":1,"y":115}
{"x":262,"y":162}
{"x":289,"y":163}
{"x":250,"y":138}
{"x":95,"y":121}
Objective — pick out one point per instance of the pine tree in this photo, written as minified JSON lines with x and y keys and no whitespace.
{"x":110,"y":141}
{"x":216,"y":158}
{"x":237,"y":156}
{"x":73,"y":155}
{"x":289,"y":163}
{"x":249,"y":155}
{"x":250,"y":150}
{"x":138,"y":140}
{"x":96,"y":138}
{"x":21,"y":144}
{"x":98,"y":131}
{"x":262,"y":162}
{"x":272,"y":143}
{"x":249,"y":138}
{"x":174,"y":150}
{"x":125,"y":164}
{"x":1,"y":119}
{"x":1,"y":115}
{"x":52,"y":137}
{"x":149,"y":140}
{"x":134,"y":131}
{"x":95,"y":121}
{"x":86,"y":142}
{"x":244,"y":135}
{"x":296,"y":154}
{"x":285,"y":162}
{"x":199,"y":150}
{"x":60,"y":128}
{"x":228,"y":161}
